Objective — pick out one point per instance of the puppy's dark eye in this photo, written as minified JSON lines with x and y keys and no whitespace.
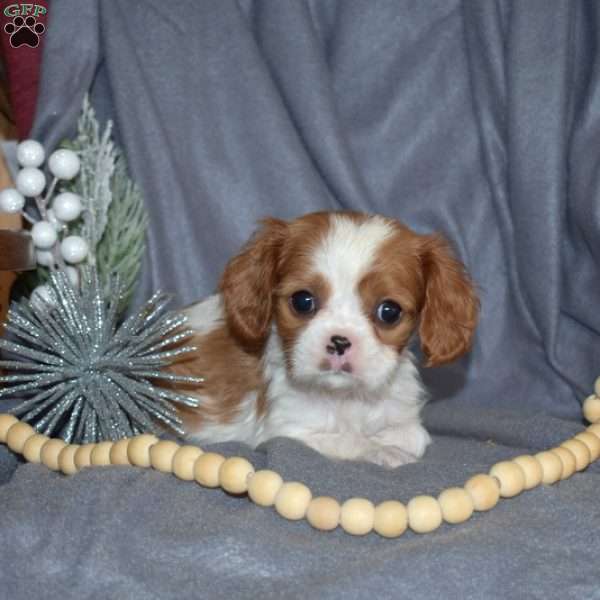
{"x":388,"y":312}
{"x":303,"y":302}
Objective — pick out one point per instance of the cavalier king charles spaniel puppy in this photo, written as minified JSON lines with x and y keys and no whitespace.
{"x":308,"y":336}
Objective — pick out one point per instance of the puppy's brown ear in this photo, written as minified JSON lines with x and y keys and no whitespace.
{"x":248,"y":281}
{"x":451,"y":308}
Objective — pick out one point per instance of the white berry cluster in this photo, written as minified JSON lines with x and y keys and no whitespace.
{"x":55,"y":247}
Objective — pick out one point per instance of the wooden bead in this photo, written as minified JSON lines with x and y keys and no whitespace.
{"x":138,"y":450}
{"x":264,"y":486}
{"x":6,"y":422}
{"x":594,"y":429}
{"x":591,"y":409}
{"x":323,"y":513}
{"x":18,"y":434}
{"x":424,"y":514}
{"x":592,"y":442}
{"x":532,"y":470}
{"x":100,"y":455}
{"x":391,"y":519}
{"x":357,"y":516}
{"x":510,"y":476}
{"x":206,"y":469}
{"x":183,"y":462}
{"x":568,"y":461}
{"x":66,"y":459}
{"x":597,"y":386}
{"x":33,"y":448}
{"x":552,"y":467}
{"x":162,"y":454}
{"x":83,"y":456}
{"x":292,"y":500}
{"x":234,"y":474}
{"x":580,"y":451}
{"x":50,"y":452}
{"x":118,"y":452}
{"x":484,"y":491}
{"x":456,"y":504}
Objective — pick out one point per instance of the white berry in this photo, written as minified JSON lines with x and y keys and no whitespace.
{"x":44,"y":235}
{"x":30,"y":181}
{"x":74,"y":249}
{"x":73,"y":275}
{"x":11,"y":201}
{"x":51,"y":218}
{"x":67,"y":206}
{"x":64,"y":164}
{"x":44,"y":258}
{"x":30,"y":153}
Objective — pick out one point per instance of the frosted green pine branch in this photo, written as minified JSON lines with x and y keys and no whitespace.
{"x":121,"y":248}
{"x":114,"y":218}
{"x":98,"y":157}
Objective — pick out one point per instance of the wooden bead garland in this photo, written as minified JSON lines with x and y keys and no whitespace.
{"x":294,"y":501}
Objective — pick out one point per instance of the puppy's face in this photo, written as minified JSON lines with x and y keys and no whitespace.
{"x":345,"y":292}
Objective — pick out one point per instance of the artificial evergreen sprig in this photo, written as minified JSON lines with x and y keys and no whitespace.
{"x":88,"y":212}
{"x":114,"y":217}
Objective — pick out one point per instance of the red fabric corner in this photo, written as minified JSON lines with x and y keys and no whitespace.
{"x":22,"y":62}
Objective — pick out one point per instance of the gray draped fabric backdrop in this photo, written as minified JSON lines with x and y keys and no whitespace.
{"x":479,"y":119}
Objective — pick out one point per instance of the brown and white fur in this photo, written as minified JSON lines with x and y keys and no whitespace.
{"x":270,"y":371}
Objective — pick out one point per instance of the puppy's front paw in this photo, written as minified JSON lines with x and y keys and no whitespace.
{"x":389,"y":456}
{"x":411,"y":437}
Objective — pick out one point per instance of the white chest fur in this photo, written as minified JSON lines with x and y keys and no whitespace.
{"x":345,"y":424}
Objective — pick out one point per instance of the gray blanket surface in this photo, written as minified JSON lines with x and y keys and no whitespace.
{"x":475,"y":118}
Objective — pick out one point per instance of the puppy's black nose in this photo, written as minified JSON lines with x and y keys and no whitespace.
{"x":339,"y":345}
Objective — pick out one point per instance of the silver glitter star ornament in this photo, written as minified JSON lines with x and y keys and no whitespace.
{"x":84,"y":377}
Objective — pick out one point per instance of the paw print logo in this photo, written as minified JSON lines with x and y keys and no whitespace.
{"x":24,"y":32}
